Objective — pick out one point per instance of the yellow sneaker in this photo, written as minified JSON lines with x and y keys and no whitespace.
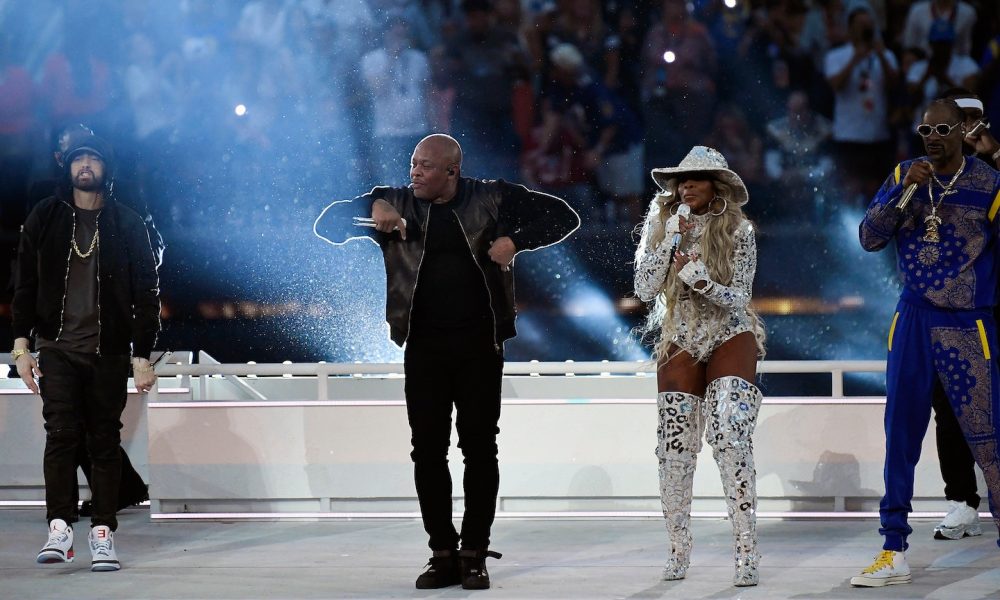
{"x":889,"y":568}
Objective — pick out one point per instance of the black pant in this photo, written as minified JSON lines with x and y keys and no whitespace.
{"x":132,"y":488}
{"x":460,"y":369}
{"x":953,"y":453}
{"x":83,"y":395}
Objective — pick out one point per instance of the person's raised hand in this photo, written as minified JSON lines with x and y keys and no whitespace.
{"x":918,"y":173}
{"x":387,"y":218}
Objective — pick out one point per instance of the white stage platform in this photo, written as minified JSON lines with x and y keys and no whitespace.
{"x":294,"y":481}
{"x":544,"y":559}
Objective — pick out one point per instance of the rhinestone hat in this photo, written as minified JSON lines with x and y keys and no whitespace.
{"x":705,"y":160}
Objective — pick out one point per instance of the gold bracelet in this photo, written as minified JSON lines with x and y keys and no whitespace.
{"x":141,"y":369}
{"x":18,"y":353}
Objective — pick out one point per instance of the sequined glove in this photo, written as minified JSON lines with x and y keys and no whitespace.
{"x":736,"y":295}
{"x":693,"y":272}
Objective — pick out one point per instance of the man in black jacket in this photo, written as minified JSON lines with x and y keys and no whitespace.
{"x":86,"y":288}
{"x":957,"y":464}
{"x":132,"y":489}
{"x":449,"y":244}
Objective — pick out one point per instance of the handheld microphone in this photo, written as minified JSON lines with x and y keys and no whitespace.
{"x":682,"y":211}
{"x":982,"y":124}
{"x":907,"y":195}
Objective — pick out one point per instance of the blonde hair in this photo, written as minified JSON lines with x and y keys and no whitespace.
{"x":718,"y":243}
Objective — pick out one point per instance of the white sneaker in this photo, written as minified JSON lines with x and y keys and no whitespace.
{"x":961,"y":521}
{"x":889,"y":568}
{"x":59,"y":547}
{"x":102,"y":549}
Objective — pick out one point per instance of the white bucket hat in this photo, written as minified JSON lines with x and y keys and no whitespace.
{"x":702,"y":159}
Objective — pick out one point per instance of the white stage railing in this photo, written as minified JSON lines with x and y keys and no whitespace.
{"x":209,"y":367}
{"x":284,"y":440}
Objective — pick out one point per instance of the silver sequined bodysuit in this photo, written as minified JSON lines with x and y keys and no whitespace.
{"x":698,"y":330}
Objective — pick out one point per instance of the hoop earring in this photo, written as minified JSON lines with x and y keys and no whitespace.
{"x":725,"y":206}
{"x":673,"y":209}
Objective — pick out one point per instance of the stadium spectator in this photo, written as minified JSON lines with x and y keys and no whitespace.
{"x":679,"y":86}
{"x":396,"y":76}
{"x":925,"y":15}
{"x":861,"y":73}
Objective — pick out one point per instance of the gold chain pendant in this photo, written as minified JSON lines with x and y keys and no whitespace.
{"x":93,"y":244}
{"x":931,"y":223}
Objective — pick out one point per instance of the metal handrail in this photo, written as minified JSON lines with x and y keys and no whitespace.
{"x":836,"y":369}
{"x":511,"y":368}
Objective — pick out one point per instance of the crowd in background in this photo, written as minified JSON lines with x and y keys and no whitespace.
{"x":262,"y":111}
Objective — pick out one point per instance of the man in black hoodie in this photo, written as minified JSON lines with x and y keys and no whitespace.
{"x":86,"y":289}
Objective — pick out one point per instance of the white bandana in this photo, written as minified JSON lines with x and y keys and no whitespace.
{"x":969,"y":103}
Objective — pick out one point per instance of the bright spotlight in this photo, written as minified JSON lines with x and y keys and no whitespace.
{"x":730,"y":3}
{"x":589,"y":301}
{"x":240,"y":110}
{"x":669,"y":56}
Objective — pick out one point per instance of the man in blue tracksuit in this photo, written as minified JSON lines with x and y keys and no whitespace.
{"x":946,"y":241}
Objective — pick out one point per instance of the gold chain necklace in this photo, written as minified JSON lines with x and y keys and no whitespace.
{"x":932,"y":221}
{"x":93,"y":243}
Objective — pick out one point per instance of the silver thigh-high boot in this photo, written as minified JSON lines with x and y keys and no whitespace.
{"x":732,"y":404}
{"x":681,"y":422}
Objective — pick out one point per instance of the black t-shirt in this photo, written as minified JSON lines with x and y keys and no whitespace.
{"x":451,"y":290}
{"x":81,"y":317}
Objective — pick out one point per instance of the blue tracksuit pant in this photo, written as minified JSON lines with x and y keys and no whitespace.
{"x":957,"y":347}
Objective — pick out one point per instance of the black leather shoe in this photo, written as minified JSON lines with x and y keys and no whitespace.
{"x":474,"y":573}
{"x":442,"y":571}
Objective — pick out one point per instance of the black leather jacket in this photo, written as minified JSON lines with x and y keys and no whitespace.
{"x":486,"y":210}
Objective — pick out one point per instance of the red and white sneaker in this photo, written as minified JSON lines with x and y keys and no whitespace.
{"x":59,"y":547}
{"x":102,"y":549}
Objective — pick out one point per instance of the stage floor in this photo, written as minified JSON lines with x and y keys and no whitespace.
{"x":542,"y":559}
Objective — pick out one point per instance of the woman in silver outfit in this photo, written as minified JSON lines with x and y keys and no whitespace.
{"x":699,"y":269}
